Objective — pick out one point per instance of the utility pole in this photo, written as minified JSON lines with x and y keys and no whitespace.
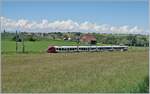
{"x":23,"y":48}
{"x":4,"y":34}
{"x":78,"y":41}
{"x":16,"y":41}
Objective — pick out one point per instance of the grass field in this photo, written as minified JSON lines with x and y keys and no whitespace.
{"x":76,"y":72}
{"x":37,"y":46}
{"x":9,"y":46}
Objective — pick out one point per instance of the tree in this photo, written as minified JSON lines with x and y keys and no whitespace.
{"x":140,"y":41}
{"x":132,"y":40}
{"x":16,"y":38}
{"x":124,"y":41}
{"x":111,"y":39}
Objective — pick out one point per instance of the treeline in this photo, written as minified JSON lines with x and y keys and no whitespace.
{"x":123,"y":39}
{"x":114,"y":39}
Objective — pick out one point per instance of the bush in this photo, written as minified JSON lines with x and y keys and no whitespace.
{"x":18,"y":38}
{"x":32,"y":39}
{"x":142,"y":87}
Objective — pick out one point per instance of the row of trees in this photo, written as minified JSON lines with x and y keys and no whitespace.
{"x":114,"y":39}
{"x":130,"y":40}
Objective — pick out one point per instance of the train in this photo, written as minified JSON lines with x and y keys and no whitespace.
{"x":59,"y":49}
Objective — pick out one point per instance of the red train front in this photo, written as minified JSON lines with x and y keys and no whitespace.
{"x":51,"y":49}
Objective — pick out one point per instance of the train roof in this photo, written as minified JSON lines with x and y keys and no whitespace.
{"x":86,"y":46}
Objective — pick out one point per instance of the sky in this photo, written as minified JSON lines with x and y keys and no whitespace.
{"x":111,"y":16}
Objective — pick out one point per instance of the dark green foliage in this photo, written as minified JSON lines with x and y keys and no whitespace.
{"x":32,"y":38}
{"x":7,"y":35}
{"x":17,"y":38}
{"x":142,"y":87}
{"x":129,"y":40}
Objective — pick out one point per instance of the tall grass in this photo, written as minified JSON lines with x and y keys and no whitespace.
{"x":115,"y":72}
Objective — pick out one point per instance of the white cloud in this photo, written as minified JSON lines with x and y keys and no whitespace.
{"x":63,"y":25}
{"x":66,"y":26}
{"x":87,"y":26}
{"x":104,"y":28}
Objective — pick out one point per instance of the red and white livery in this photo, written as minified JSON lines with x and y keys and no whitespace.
{"x":57,"y":49}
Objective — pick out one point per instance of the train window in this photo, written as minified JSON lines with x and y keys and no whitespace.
{"x":106,"y":48}
{"x":93,"y":48}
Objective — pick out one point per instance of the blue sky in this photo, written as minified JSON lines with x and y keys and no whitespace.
{"x":132,"y":13}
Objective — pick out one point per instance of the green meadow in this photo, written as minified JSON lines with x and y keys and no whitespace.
{"x":9,"y":46}
{"x":88,"y":72}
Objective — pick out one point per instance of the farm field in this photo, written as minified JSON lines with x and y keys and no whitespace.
{"x":9,"y":46}
{"x":76,"y":72}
